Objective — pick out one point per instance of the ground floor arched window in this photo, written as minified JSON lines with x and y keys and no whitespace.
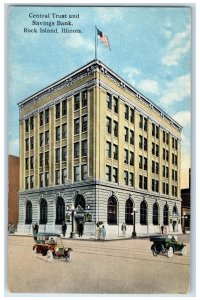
{"x":129,"y":212}
{"x":155,"y":214}
{"x":166,"y":215}
{"x":43,"y":211}
{"x":80,"y":200}
{"x":175,"y":210}
{"x":143,"y":213}
{"x":28,"y":219}
{"x":112,"y":211}
{"x":60,"y":210}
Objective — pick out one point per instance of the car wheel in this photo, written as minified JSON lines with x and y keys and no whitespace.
{"x":184,"y":250}
{"x":170,"y":252}
{"x":68,"y":256}
{"x":35,"y":250}
{"x":154,"y":253}
{"x":49,"y":256}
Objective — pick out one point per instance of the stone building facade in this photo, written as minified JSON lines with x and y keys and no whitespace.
{"x":92,"y":149}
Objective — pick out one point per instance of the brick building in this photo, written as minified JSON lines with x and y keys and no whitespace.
{"x":94,"y":149}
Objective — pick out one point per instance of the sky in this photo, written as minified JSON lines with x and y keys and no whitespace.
{"x":150,"y":49}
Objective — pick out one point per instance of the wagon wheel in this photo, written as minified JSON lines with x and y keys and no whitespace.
{"x":170,"y":252}
{"x":184,"y":250}
{"x":49,"y":256}
{"x":35,"y":250}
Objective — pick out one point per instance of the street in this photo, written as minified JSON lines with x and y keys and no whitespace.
{"x":110,"y":267}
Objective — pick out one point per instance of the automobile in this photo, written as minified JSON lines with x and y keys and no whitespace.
{"x":167,"y":245}
{"x":51,"y":246}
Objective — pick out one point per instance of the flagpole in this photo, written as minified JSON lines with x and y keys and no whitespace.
{"x":95,"y":42}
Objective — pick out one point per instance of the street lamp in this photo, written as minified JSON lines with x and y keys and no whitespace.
{"x":72,"y":214}
{"x":133,"y":214}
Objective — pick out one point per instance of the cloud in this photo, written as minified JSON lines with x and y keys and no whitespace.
{"x":176,"y":90}
{"x":130,"y":74}
{"x":183,"y":117}
{"x":77,"y":41}
{"x":177,"y":47}
{"x":149,"y":86}
{"x":167,"y":34}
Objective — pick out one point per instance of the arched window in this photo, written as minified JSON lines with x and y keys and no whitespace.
{"x":143,"y":213}
{"x":155,"y":214}
{"x":129,"y":212}
{"x":112,"y":211}
{"x":60,"y":210}
{"x":165,"y":215}
{"x":43,"y":211}
{"x":80,"y":200}
{"x":175,"y":211}
{"x":28,"y":219}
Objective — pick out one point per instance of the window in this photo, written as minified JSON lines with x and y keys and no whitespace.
{"x":31,"y":182}
{"x":167,"y":138}
{"x":80,"y":201}
{"x":46,"y":179}
{"x":126,"y":177}
{"x":131,"y":158}
{"x":41,"y":139}
{"x":27,"y":163}
{"x":140,"y":162}
{"x":167,"y":155}
{"x":84,"y":123}
{"x":47,"y":137}
{"x":57,"y":177}
{"x":155,"y":185}
{"x":176,"y":144}
{"x":64,"y":131}
{"x":125,"y":156}
{"x":164,"y":154}
{"x":64,"y":107}
{"x":126,"y":112}
{"x":175,"y":160}
{"x":57,"y":133}
{"x":157,"y":168}
{"x":27,"y":125}
{"x":145,"y":144}
{"x":145,"y":124}
{"x":131,"y":179}
{"x":47,"y":158}
{"x":84,"y":148}
{"x":84,"y":99}
{"x":28,"y":219}
{"x":163,"y":187}
{"x":153,"y":167}
{"x":64,"y":153}
{"x":43,"y":211}
{"x":115,"y":152}
{"x":108,"y":124}
{"x":164,"y":139}
{"x":57,"y":155}
{"x":145,"y":183}
{"x":46,"y":116}
{"x":76,"y":173}
{"x":60,"y":211}
{"x":167,"y":189}
{"x":175,"y":210}
{"x":76,"y":102}
{"x":26,"y":183}
{"x":157,"y":132}
{"x":115,"y":128}
{"x":58,"y":111}
{"x":129,"y":212}
{"x":108,"y":173}
{"x":108,"y":149}
{"x":172,"y":174}
{"x":145,"y":163}
{"x":140,"y":182}
{"x":157,"y":150}
{"x":163,"y":171}
{"x":132,"y":115}
{"x":32,"y":143}
{"x":76,"y":126}
{"x":155,"y":214}
{"x":41,"y":160}
{"x":153,"y":129}
{"x":76,"y":150}
{"x":115,"y":175}
{"x":112,"y":211}
{"x":126,"y":134}
{"x":83,"y":172}
{"x":115,"y":105}
{"x":140,"y":142}
{"x":141,"y":122}
{"x":131,"y":137}
{"x":167,"y":172}
{"x":64,"y":176}
{"x":41,"y":180}
{"x":165,"y":215}
{"x":27,"y":144}
{"x":31,"y":162}
{"x":109,"y":101}
{"x":153,"y":148}
{"x":143,"y":213}
{"x":41,"y":118}
{"x":172,"y":142}
{"x":32,"y":123}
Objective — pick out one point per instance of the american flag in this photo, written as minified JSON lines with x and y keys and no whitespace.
{"x":103,"y":38}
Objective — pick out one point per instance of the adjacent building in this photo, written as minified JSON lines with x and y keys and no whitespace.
{"x":94,"y":149}
{"x":185,"y":207}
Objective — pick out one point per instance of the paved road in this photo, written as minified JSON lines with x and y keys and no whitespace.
{"x":123,"y":267}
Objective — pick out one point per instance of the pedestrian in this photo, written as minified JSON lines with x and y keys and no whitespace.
{"x":123,"y":229}
{"x":64,"y":228}
{"x":162,"y":228}
{"x":36,"y":228}
{"x":80,"y":229}
{"x":102,"y":233}
{"x":98,"y":232}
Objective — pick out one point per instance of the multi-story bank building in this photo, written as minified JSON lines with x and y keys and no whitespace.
{"x":94,"y":149}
